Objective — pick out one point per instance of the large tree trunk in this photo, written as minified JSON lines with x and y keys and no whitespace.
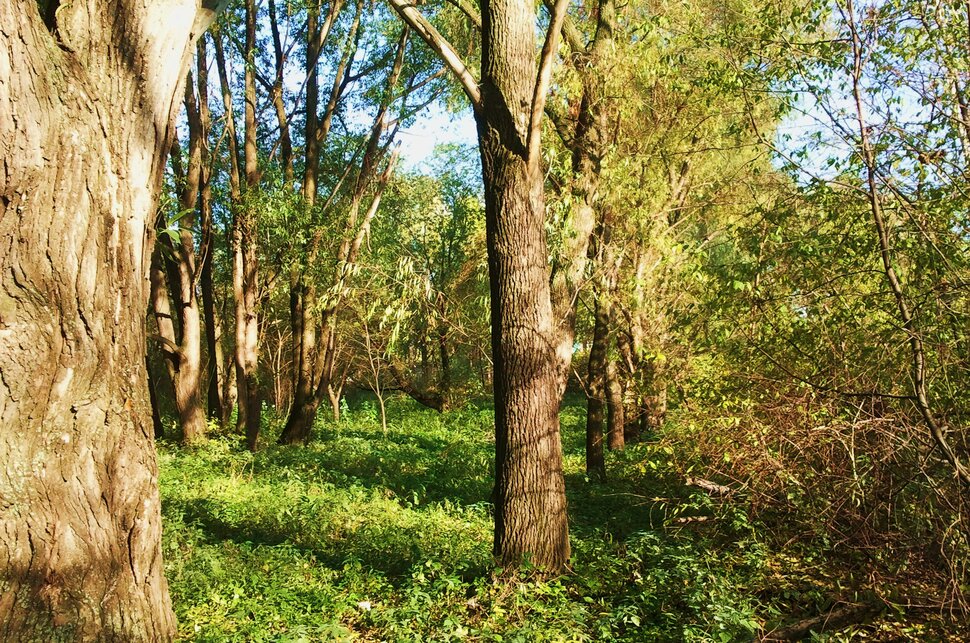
{"x":530,"y":498}
{"x":85,"y":127}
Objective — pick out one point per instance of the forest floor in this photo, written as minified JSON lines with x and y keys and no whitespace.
{"x":367,"y":536}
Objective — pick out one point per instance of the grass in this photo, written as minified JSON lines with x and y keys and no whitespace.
{"x":363,"y":536}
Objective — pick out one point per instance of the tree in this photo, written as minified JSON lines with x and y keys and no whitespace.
{"x":182,"y":344}
{"x":426,"y":272}
{"x":509,"y":101}
{"x":87,"y":93}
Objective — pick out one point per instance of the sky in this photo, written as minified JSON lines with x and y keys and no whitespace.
{"x":433,"y":127}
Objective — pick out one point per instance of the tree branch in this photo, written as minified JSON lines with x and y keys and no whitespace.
{"x":440,"y":45}
{"x":570,"y":33}
{"x":469,"y":11}
{"x":544,"y":78}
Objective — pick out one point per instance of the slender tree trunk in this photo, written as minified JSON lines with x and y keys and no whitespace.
{"x":85,"y":128}
{"x":596,"y":389}
{"x":157,"y":425}
{"x":245,"y":273}
{"x":183,"y":346}
{"x":215,"y":364}
{"x":909,"y":324}
{"x":590,"y":143}
{"x":315,"y":363}
{"x":310,"y":372}
{"x":614,"y":407}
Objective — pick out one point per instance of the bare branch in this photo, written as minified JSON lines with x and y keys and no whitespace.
{"x":433,"y":38}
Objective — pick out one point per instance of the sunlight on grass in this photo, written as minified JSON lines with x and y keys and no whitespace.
{"x":366,"y":538}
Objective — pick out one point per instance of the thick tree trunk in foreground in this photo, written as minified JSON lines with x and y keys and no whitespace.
{"x":530,"y":498}
{"x":84,"y":133}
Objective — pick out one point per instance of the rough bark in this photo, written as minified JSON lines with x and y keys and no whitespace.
{"x":85,"y":126}
{"x":589,"y":143}
{"x":614,"y":407}
{"x":529,"y":495}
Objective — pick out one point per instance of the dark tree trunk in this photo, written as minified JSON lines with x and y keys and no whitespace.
{"x":85,"y":128}
{"x":596,"y":390}
{"x":157,"y":425}
{"x":529,"y":495}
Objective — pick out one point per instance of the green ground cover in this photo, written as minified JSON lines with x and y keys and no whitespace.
{"x":370,"y":537}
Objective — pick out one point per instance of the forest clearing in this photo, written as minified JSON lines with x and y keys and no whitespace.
{"x":492,"y":320}
{"x":387,"y":537}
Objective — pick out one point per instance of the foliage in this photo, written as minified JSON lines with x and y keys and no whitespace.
{"x":367,"y":537}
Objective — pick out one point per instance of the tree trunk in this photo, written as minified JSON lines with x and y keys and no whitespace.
{"x":159,"y":428}
{"x":244,"y":269}
{"x":85,"y":128}
{"x":596,"y":389}
{"x":529,"y":495}
{"x":215,"y":364}
{"x":183,"y":346}
{"x":614,"y":407}
{"x":590,"y":143}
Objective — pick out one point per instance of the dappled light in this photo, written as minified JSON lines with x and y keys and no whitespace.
{"x":493,"y":321}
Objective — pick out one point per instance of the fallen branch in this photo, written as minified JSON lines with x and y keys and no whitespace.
{"x":710,"y":487}
{"x":835,"y":619}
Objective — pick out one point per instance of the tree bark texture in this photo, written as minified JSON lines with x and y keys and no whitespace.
{"x":596,"y":389}
{"x":590,"y":144}
{"x":245,"y":272}
{"x":86,"y":107}
{"x":529,"y":495}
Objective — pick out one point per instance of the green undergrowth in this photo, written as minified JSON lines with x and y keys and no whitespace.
{"x":367,"y":536}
